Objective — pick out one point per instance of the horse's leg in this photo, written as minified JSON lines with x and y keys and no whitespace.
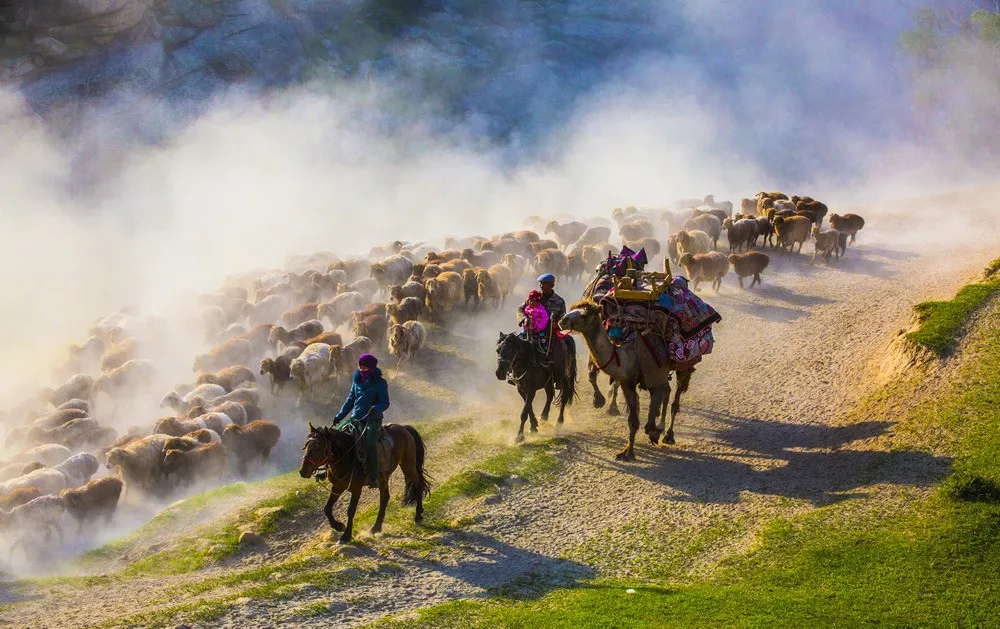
{"x":383,"y":501}
{"x":613,"y":407}
{"x":525,"y":409}
{"x":656,"y":398}
{"x":335,"y":524}
{"x":683,"y":380}
{"x":550,"y":393}
{"x":352,"y":508}
{"x":529,"y":402}
{"x":599,"y":400}
{"x":632,"y":399}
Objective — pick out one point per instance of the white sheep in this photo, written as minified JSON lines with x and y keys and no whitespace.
{"x":311,"y":367}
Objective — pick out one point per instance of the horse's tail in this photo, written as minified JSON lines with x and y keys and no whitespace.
{"x":421,"y":486}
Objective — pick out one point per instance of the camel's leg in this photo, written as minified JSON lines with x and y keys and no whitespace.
{"x":383,"y":501}
{"x":525,"y":412}
{"x":632,"y":400}
{"x":335,"y":524}
{"x":740,"y":278}
{"x":550,"y":393}
{"x":683,"y":380}
{"x":613,"y":407}
{"x":656,"y":398}
{"x":599,"y":399}
{"x":352,"y":508}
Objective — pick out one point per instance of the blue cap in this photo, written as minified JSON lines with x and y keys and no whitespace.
{"x":548,"y":277}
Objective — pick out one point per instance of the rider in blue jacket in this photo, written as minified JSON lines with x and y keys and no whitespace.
{"x":367,"y":401}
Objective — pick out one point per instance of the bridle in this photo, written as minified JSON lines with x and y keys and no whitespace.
{"x":323,"y":461}
{"x":509,"y":362}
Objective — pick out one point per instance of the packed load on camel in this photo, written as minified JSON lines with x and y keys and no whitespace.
{"x":656,"y":308}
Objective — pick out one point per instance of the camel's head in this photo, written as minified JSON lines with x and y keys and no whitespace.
{"x":580,"y":317}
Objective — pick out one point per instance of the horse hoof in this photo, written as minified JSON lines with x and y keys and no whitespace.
{"x":344,"y":539}
{"x":545,"y":417}
{"x":599,"y":402}
{"x":533,"y":429}
{"x":654,"y":437}
{"x":625,"y":455}
{"x":669,"y":438}
{"x":519,"y":438}
{"x":338,"y":526}
{"x":613,"y":411}
{"x":375,"y":530}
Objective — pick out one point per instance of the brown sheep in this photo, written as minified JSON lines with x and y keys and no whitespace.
{"x":233,"y":352}
{"x":235,"y":411}
{"x":258,"y":336}
{"x":203,"y":435}
{"x":37,"y":516}
{"x":707,"y":223}
{"x":139,"y":463}
{"x":298,"y":315}
{"x":338,"y":310}
{"x":445,"y":256}
{"x":816,"y":208}
{"x":566,"y":234}
{"x":636,"y":230}
{"x":455,"y":266}
{"x":827,"y":243}
{"x":720,"y":214}
{"x":228,"y":378}
{"x":575,"y":266}
{"x":444,"y":293}
{"x":344,"y":360}
{"x":410,"y":289}
{"x":80,"y":386}
{"x":791,"y":230}
{"x":693,"y":241}
{"x":748,"y":207}
{"x":356,"y":269}
{"x":849,"y":224}
{"x":483,"y":259}
{"x":373,"y":327}
{"x":747,"y":264}
{"x":705,"y":266}
{"x":406,"y":340}
{"x":407,"y":310}
{"x":246,"y":443}
{"x":366,"y":287}
{"x":301,"y":332}
{"x":208,"y":462}
{"x":494,"y":284}
{"x":470,"y":288}
{"x":278,"y":370}
{"x":71,"y":434}
{"x":551,"y":261}
{"x":18,"y":497}
{"x":58,"y":417}
{"x":119,"y":354}
{"x":179,"y":427}
{"x":672,"y":251}
{"x":97,"y":498}
{"x":543,"y":245}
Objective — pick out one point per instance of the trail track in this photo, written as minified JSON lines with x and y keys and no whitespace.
{"x":768,"y":429}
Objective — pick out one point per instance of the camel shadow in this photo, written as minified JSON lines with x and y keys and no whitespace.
{"x":781,"y":314}
{"x":780,"y":293}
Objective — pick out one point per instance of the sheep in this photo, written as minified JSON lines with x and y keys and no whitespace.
{"x":312,"y":367}
{"x":702,"y":210}
{"x":748,"y":207}
{"x":238,"y":351}
{"x":444,"y":256}
{"x":180,"y":404}
{"x":747,"y":264}
{"x":72,"y":434}
{"x":97,"y":498}
{"x":47,"y":480}
{"x":18,"y":497}
{"x":791,"y":230}
{"x":392,"y":270}
{"x":575,"y":266}
{"x":406,"y":340}
{"x":707,"y":223}
{"x":523,"y":236}
{"x":593,"y":236}
{"x":83,"y":358}
{"x":213,"y":320}
{"x":50,"y":454}
{"x":827,"y":243}
{"x":482,"y":259}
{"x":741,"y":233}
{"x":693,"y":241}
{"x":76,"y":404}
{"x":636,"y":230}
{"x":377,"y":308}
{"x":13,"y":470}
{"x":80,"y":386}
{"x":127,"y":381}
{"x":78,"y":469}
{"x":817,"y":208}
{"x":517,"y":264}
{"x":849,"y":224}
{"x":246,"y":443}
{"x":705,"y":266}
{"x":354,"y":268}
{"x":134,"y":433}
{"x":228,"y":378}
{"x":208,"y":461}
{"x":246,"y":396}
{"x":651,"y":245}
{"x":235,"y":411}
{"x":494,"y":284}
{"x":306,"y":330}
{"x":410,"y":289}
{"x":345,"y":358}
{"x":373,"y":326}
{"x":551,"y":261}
{"x":298,"y":315}
{"x":184,"y":443}
{"x":203,"y":435}
{"x":470,"y":288}
{"x":443,"y":293}
{"x":58,"y":417}
{"x":455,"y":266}
{"x":567,"y":233}
{"x":765,"y":230}
{"x":842,"y":243}
{"x":672,"y":251}
{"x":542,"y":245}
{"x":40,"y":515}
{"x":338,"y":310}
{"x":325,"y":284}
{"x":407,"y":310}
{"x":267,"y":310}
{"x":594,"y":255}
{"x":139,"y":463}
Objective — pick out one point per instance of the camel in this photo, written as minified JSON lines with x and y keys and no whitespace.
{"x":630,"y":368}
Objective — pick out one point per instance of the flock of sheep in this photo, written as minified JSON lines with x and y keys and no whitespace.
{"x":307,"y":325}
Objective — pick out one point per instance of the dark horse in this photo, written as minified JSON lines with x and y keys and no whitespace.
{"x":517,"y":359}
{"x":335,"y":452}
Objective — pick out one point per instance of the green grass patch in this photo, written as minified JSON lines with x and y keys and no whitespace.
{"x":942,"y":322}
{"x":933,"y":563}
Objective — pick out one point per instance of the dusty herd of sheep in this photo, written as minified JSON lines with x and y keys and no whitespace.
{"x":305,"y":326}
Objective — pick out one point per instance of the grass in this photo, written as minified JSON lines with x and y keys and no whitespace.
{"x":933,"y":563}
{"x":942,"y":322}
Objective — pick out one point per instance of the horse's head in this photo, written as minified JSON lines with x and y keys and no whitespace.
{"x":318,"y":450}
{"x":507,"y":352}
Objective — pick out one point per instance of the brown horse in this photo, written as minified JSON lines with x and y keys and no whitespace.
{"x":335,"y":452}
